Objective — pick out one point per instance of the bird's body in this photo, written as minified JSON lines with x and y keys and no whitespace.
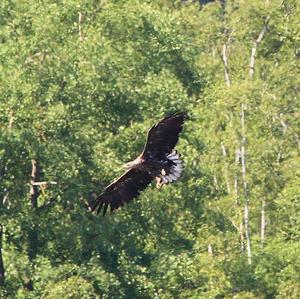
{"x":159,"y":160}
{"x":164,"y":169}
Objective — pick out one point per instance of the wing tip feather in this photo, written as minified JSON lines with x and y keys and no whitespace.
{"x":121,"y":191}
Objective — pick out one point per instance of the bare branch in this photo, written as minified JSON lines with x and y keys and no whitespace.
{"x":255,"y":45}
{"x":43,"y":183}
{"x":234,"y":223}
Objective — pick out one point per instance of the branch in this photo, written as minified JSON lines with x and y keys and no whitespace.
{"x":287,"y":128}
{"x":5,"y":197}
{"x":80,"y":22}
{"x":225,"y":62}
{"x":34,"y":191}
{"x":215,"y":180}
{"x":255,"y":45}
{"x":3,"y":171}
{"x":233,"y":223}
{"x":43,"y":183}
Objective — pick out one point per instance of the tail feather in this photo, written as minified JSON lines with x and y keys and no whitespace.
{"x":175,"y":170}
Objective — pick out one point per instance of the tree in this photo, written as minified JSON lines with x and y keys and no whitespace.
{"x":81,"y":82}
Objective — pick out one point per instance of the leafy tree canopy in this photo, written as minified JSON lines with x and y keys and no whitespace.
{"x":80,"y":84}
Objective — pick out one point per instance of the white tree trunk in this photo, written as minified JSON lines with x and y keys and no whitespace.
{"x":237,"y":202}
{"x":245,"y":187}
{"x":262,"y":222}
{"x":224,"y":152}
{"x":255,"y":45}
{"x":225,"y":62}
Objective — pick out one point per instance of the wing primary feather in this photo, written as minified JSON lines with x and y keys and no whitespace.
{"x":100,"y":207}
{"x":122,"y":190}
{"x":163,"y":136}
{"x":105,"y":209}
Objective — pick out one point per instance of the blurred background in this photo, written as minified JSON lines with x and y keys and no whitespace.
{"x":81,"y":82}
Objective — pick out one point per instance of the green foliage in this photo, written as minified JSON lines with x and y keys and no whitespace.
{"x":81,"y":82}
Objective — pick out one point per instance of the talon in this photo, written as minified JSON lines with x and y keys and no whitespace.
{"x":158,"y":182}
{"x":163,"y":172}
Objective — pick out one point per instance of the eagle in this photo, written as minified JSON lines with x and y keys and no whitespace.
{"x":159,"y":160}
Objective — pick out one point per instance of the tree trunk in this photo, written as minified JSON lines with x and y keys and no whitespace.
{"x":80,"y":23}
{"x":245,"y":187}
{"x":237,"y":201}
{"x":246,"y":200}
{"x":255,"y":45}
{"x":225,"y":62}
{"x":2,"y":202}
{"x":224,"y":152}
{"x":33,"y":232}
{"x":2,"y":269}
{"x":262,"y":223}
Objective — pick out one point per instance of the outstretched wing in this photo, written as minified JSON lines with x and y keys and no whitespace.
{"x":163,"y":136}
{"x":122,"y":190}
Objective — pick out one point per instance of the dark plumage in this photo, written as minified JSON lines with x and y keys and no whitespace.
{"x":159,"y":160}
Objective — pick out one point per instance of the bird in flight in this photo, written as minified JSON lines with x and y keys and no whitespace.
{"x":159,"y":160}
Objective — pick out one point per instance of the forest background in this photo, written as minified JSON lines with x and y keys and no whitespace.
{"x":80,"y":84}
